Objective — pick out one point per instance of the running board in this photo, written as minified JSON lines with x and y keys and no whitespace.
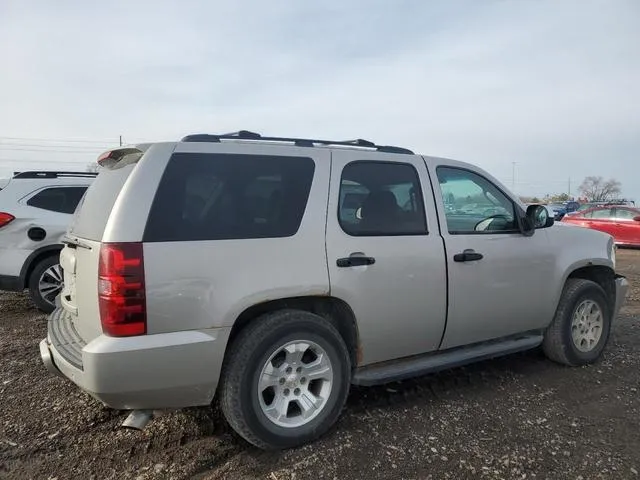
{"x":421,"y":365}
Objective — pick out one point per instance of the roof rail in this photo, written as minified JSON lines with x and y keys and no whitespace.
{"x":53,"y":174}
{"x":299,"y":142}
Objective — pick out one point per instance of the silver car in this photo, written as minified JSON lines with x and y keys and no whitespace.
{"x":269,"y":274}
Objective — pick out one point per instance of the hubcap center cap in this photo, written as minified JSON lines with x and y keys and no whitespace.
{"x":291,"y":381}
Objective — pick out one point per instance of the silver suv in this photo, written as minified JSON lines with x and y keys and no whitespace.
{"x":35,"y":211}
{"x":271,"y":273}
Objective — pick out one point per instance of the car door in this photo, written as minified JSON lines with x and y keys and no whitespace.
{"x":498,"y":278}
{"x":627,"y":230}
{"x":386,"y":259}
{"x":602,"y":219}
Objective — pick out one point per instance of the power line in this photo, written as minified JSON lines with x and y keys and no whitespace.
{"x":113,"y":140}
{"x":42,"y":161}
{"x":54,"y":150}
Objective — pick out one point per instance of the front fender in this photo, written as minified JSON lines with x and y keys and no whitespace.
{"x":578,"y":248}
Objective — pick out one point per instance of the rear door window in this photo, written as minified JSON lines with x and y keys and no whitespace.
{"x":227,"y":196}
{"x":600,"y":214}
{"x":381,"y":199}
{"x":58,"y":199}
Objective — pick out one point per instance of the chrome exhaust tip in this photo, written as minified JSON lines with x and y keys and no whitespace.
{"x":138,"y":419}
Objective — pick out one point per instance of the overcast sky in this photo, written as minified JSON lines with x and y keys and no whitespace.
{"x":551,"y":85}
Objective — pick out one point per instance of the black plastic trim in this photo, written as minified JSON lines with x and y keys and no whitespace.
{"x":30,"y":259}
{"x":300,"y":142}
{"x":10,"y":283}
{"x":50,"y":174}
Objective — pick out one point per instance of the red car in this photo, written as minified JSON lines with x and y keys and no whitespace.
{"x":623,"y":223}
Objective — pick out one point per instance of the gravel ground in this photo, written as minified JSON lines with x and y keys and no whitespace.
{"x":518,"y":417}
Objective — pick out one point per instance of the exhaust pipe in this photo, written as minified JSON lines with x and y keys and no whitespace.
{"x":138,"y":419}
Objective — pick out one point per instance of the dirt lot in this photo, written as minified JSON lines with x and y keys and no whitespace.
{"x":516,"y":417}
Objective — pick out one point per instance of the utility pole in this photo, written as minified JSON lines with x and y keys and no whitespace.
{"x":513,"y":176}
{"x":569,"y":191}
{"x":120,"y":140}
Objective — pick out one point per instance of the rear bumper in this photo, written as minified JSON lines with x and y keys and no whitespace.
{"x":622,"y":287}
{"x":170,"y":370}
{"x":11,"y":283}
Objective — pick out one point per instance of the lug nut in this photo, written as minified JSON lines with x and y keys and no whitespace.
{"x":282,"y":381}
{"x":303,"y":380}
{"x":296,"y":391}
{"x":286,"y":391}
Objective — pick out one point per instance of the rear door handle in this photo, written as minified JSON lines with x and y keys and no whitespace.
{"x":467,"y":256}
{"x":355,"y":261}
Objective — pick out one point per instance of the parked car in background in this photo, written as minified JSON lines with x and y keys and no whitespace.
{"x":571,"y":206}
{"x":35,"y":211}
{"x":270,"y":274}
{"x":623,"y":223}
{"x":558,"y":209}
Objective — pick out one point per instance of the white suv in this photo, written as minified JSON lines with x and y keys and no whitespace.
{"x":35,"y":211}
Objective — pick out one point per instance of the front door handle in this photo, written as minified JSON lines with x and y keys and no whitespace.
{"x":355,"y":261}
{"x":467,"y":256}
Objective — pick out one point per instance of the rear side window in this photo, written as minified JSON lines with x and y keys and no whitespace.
{"x":58,"y":199}
{"x":91,"y":216}
{"x":225,"y":196}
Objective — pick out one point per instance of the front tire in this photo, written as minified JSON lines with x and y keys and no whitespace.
{"x":580,"y":329}
{"x":285,"y":379}
{"x":45,"y":283}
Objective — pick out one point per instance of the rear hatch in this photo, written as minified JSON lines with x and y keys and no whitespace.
{"x":80,"y":257}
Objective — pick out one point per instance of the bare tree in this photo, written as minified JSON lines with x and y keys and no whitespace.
{"x":597,"y":189}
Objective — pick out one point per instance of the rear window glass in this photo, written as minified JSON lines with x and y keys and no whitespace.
{"x":95,"y":207}
{"x":58,"y":199}
{"x":225,"y":196}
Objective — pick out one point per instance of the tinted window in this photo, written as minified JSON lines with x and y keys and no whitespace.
{"x":379,"y":198}
{"x":473,"y":204}
{"x":601,"y":213}
{"x":58,"y":199}
{"x":223,"y":196}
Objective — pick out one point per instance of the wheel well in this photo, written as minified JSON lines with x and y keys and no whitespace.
{"x":49,"y":252}
{"x":603,"y":276}
{"x":332,"y":309}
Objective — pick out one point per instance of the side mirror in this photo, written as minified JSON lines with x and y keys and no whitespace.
{"x":636,"y":219}
{"x":539,"y":217}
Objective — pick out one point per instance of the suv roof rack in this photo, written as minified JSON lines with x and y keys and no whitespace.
{"x":300,"y":142}
{"x":52,"y":174}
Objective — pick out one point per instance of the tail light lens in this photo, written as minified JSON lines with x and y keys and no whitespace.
{"x":121,"y":290}
{"x":6,"y":218}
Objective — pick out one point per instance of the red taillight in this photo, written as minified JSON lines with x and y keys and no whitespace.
{"x":6,"y":218}
{"x":121,"y":290}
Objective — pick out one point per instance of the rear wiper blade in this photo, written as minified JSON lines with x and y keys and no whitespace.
{"x":75,"y":242}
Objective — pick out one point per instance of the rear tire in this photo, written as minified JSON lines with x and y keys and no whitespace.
{"x":285,"y":379}
{"x":580,"y":329}
{"x":45,"y":283}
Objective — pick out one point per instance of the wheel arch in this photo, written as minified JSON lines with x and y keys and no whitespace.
{"x":336,"y":311}
{"x":603,"y":275}
{"x":36,"y":257}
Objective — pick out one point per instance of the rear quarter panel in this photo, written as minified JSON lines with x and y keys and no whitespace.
{"x":207,"y":284}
